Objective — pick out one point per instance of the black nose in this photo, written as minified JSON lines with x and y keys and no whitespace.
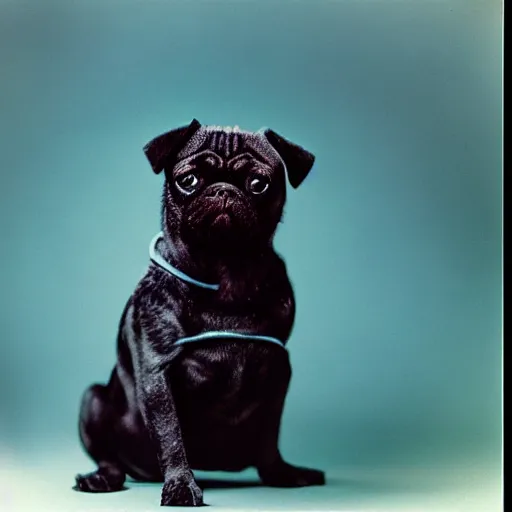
{"x":222,"y":192}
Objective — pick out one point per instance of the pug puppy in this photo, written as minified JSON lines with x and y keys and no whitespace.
{"x":202,"y":370}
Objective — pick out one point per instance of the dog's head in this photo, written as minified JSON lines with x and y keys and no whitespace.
{"x":225,"y":187}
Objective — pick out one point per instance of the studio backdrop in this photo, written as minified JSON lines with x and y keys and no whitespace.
{"x":393,"y":242}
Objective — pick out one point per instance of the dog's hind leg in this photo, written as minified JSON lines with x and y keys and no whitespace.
{"x":98,"y":417}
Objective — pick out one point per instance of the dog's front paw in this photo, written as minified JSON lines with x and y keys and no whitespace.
{"x":181,"y":490}
{"x":286,"y":475}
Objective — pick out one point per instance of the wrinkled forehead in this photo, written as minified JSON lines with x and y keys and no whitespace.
{"x":229,"y":142}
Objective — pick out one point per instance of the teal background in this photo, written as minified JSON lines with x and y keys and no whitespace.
{"x":393,"y":243}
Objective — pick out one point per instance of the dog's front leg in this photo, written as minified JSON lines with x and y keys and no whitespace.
{"x":158,"y":410}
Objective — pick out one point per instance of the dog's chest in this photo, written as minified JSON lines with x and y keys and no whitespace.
{"x":226,"y":380}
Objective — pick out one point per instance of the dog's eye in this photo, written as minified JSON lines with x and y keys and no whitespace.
{"x":187,"y":183}
{"x":258,"y":185}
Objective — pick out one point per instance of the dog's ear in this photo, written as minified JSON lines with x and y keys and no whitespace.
{"x":297,"y":160}
{"x":162,"y":149}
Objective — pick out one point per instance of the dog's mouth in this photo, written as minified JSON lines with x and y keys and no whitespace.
{"x":223,"y":204}
{"x":224,"y":211}
{"x":223,"y":219}
{"x":211,"y":219}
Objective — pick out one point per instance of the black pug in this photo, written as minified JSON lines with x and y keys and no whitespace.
{"x":202,"y":370}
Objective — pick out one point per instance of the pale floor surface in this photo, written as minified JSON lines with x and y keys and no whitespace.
{"x":46,"y":486}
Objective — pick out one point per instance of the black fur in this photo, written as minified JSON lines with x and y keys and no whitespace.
{"x":209,"y":405}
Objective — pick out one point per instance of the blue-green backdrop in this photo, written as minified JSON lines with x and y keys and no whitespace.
{"x":393,"y":242}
